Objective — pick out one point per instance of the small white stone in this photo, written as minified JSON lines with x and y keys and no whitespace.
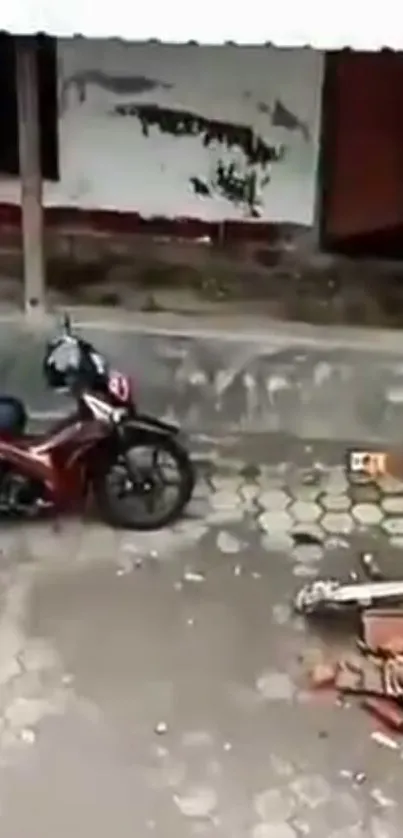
{"x":335,"y":503}
{"x":161,"y":728}
{"x":368,"y":514}
{"x":339,"y":523}
{"x":28,"y":736}
{"x":305,"y":511}
{"x":193,"y":576}
{"x":274,"y":500}
{"x":227,"y":543}
{"x":197,"y":802}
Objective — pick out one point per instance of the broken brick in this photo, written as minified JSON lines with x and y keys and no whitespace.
{"x":383,"y":630}
{"x":386,"y":710}
{"x":322,"y":676}
{"x":366,"y":678}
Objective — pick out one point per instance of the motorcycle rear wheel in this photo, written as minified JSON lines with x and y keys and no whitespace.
{"x":112,"y":504}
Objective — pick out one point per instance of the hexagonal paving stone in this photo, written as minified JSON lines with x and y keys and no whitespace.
{"x":273,"y":522}
{"x":335,"y":482}
{"x":393,"y":504}
{"x":305,"y":511}
{"x":225,"y":500}
{"x":368,"y":493}
{"x":338,"y":523}
{"x":300,"y":489}
{"x":277,"y":541}
{"x":274,"y":499}
{"x":368,"y":514}
{"x":226,"y":484}
{"x":335,"y":503}
{"x":393,"y":526}
{"x":388,"y":485}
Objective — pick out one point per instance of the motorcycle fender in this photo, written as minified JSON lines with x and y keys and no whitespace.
{"x":142,"y":423}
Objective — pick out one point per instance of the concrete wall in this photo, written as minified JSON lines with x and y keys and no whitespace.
{"x":206,"y":132}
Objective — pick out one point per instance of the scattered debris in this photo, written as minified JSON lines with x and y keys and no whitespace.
{"x":227,"y":543}
{"x":380,"y":799}
{"x":330,"y":594}
{"x":386,"y":741}
{"x":323,"y":676}
{"x":199,"y":802}
{"x":359,"y":778}
{"x":237,"y":570}
{"x":386,"y":711}
{"x":376,"y":674}
{"x":383,"y":631}
{"x":370,"y":567}
{"x":193,"y":576}
{"x":28,"y":736}
{"x":161,"y":728}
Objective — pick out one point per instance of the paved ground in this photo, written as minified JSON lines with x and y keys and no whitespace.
{"x":153,"y":684}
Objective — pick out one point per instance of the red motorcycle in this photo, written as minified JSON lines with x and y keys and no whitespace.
{"x":134,"y":466}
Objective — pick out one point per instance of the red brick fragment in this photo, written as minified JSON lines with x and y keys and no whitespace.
{"x":322,"y":676}
{"x":387,"y":710}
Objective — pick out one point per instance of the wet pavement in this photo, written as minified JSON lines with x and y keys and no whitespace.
{"x":153,"y":684}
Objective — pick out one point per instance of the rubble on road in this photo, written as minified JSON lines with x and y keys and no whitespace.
{"x":330,"y":594}
{"x":375,"y":672}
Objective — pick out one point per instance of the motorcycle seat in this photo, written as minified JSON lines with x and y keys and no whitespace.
{"x":13,"y":416}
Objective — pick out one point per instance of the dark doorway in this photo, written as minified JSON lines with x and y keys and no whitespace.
{"x":47,"y":78}
{"x":362,"y":154}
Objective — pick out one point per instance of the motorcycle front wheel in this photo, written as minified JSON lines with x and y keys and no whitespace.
{"x":148,"y":486}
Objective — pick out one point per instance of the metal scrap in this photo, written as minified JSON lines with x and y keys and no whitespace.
{"x":330,"y":594}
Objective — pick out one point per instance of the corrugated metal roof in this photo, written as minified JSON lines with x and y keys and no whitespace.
{"x":289,"y":23}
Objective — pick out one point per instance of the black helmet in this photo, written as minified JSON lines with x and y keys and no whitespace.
{"x":62,"y":362}
{"x":71,"y":362}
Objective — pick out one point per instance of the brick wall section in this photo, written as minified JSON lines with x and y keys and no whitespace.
{"x":280,"y":275}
